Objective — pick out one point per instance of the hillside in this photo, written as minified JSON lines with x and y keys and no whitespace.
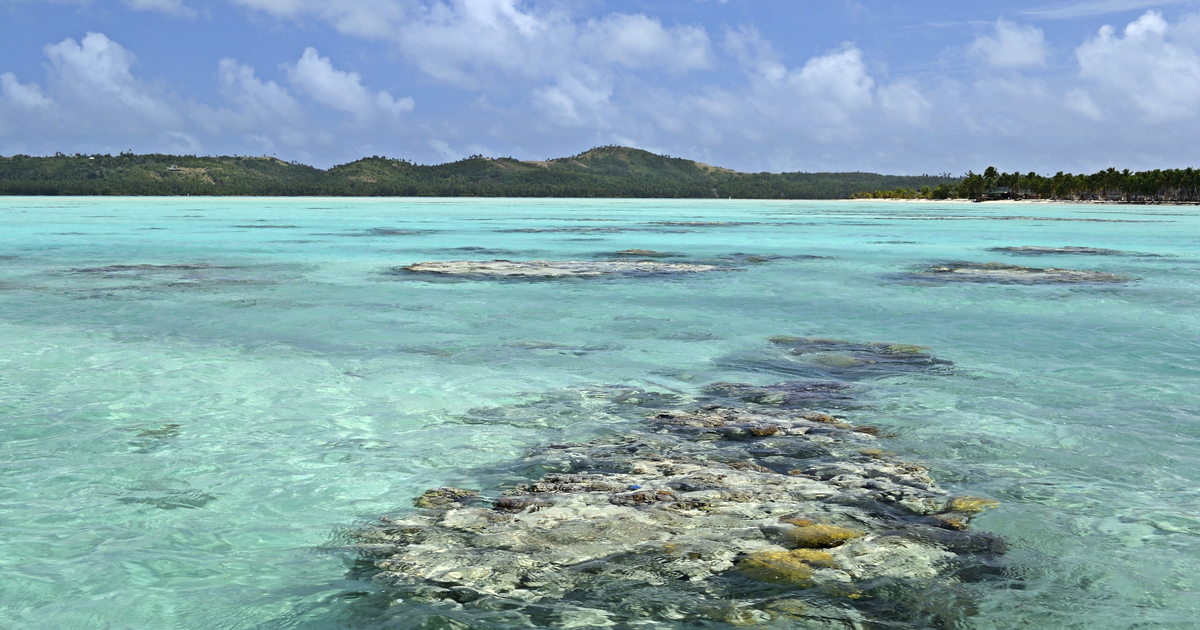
{"x":600,"y":172}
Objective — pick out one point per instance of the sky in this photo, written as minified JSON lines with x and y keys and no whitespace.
{"x":754,"y":85}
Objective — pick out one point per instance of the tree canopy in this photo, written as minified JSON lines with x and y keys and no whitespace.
{"x":601,"y":172}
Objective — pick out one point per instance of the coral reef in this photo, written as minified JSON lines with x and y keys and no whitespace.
{"x":726,"y":509}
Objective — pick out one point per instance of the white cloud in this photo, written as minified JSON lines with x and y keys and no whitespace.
{"x":169,"y":7}
{"x":96,"y":72}
{"x":903,"y":103}
{"x":474,"y":43}
{"x":28,"y":96}
{"x":834,"y":85}
{"x":1161,"y":77}
{"x":576,"y":99}
{"x":343,"y":91}
{"x":263,"y":110}
{"x":754,"y":52}
{"x":1012,"y":46}
{"x":265,"y":99}
{"x":638,"y":41}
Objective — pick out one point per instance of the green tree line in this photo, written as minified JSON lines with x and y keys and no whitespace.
{"x":1156,"y":186}
{"x":600,"y":172}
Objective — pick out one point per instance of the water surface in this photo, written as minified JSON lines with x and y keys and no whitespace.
{"x":199,"y":396}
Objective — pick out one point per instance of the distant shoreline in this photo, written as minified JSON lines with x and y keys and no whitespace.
{"x":1030,"y":201}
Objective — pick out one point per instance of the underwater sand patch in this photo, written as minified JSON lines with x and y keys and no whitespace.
{"x":1002,"y":273}
{"x":555,"y":268}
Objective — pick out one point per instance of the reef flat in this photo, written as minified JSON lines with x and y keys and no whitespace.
{"x":746,"y":506}
{"x":555,"y":268}
{"x":1012,"y":274}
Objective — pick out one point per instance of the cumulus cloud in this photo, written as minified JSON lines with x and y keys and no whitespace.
{"x":638,"y":41}
{"x":262,"y":110}
{"x":473,"y":43}
{"x":576,"y":99}
{"x":27,"y":96}
{"x":835,"y":85}
{"x":1012,"y":45}
{"x":316,"y":77}
{"x":1144,"y":65}
{"x":97,"y":72}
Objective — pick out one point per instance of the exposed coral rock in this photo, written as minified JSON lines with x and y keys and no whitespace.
{"x":971,"y":505}
{"x":676,"y":507}
{"x":1013,"y":274}
{"x":819,"y":536}
{"x":741,"y":512}
{"x":777,"y":566}
{"x":555,"y":268}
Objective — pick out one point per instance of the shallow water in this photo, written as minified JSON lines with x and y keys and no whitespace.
{"x":199,"y":396}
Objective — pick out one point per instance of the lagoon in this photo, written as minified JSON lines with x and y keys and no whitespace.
{"x":199,"y":398}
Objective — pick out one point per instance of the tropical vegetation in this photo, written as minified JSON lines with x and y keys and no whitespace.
{"x":600,"y":172}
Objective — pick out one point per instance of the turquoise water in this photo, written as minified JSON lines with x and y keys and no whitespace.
{"x":185,"y":446}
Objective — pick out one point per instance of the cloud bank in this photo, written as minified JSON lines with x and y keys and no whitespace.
{"x":507,"y":77}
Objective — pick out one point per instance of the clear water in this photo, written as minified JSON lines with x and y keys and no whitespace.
{"x":183,"y":447}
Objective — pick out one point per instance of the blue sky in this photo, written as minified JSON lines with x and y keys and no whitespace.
{"x":755,"y":85}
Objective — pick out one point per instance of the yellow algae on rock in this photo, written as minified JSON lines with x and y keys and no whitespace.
{"x":819,"y":536}
{"x":777,"y":567}
{"x":903,"y":348}
{"x":970,"y":505}
{"x":814,"y":558}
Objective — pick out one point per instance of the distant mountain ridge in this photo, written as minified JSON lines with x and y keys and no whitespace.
{"x":609,"y":171}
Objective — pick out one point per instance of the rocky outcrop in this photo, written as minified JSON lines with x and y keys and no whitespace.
{"x":1013,"y":274}
{"x":555,"y":268}
{"x":758,"y":509}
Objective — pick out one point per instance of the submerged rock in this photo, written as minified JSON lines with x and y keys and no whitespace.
{"x":820,"y":358}
{"x":642,"y":253}
{"x":1012,"y":274}
{"x":1036,"y":250}
{"x":555,"y":268}
{"x":146,"y":268}
{"x":738,"y":513}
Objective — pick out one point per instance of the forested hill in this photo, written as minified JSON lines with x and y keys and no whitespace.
{"x":600,"y":172}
